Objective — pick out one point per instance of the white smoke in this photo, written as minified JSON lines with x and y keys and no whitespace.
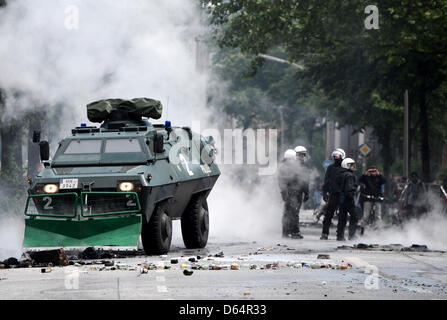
{"x":12,"y":228}
{"x":249,"y":211}
{"x":429,"y":229}
{"x":74,"y":52}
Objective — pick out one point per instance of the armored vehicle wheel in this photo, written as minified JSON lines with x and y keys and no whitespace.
{"x":195,"y":223}
{"x":156,"y":235}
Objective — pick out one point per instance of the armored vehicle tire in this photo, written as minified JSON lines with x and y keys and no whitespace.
{"x":195,"y":223}
{"x":156,"y":235}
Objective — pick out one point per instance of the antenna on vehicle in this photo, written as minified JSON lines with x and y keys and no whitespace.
{"x":167,"y":108}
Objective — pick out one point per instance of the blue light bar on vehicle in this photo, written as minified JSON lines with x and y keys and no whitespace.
{"x":168,"y":125}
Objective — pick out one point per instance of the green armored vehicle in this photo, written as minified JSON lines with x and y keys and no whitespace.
{"x":107,"y":185}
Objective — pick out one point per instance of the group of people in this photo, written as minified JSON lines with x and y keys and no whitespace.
{"x":362,"y":200}
{"x":413,"y":199}
{"x":339,"y":192}
{"x":339,"y":189}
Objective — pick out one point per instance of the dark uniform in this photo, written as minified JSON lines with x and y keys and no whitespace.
{"x":330,"y":187}
{"x":294,"y":184}
{"x":345,"y":181}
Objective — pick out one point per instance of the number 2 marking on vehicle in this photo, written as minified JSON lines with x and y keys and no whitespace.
{"x":48,"y":205}
{"x":131,"y":202}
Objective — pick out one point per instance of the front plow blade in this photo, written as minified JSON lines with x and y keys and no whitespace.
{"x":105,"y":231}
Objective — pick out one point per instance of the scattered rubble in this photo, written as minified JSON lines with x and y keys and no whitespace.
{"x":416,"y":247}
{"x":57,"y":257}
{"x":11,"y":263}
{"x":389,"y":247}
{"x":143,"y":271}
{"x":48,"y":258}
{"x":319,"y":265}
{"x":234,"y":266}
{"x":187,"y":265}
{"x":187,"y":272}
{"x":108,"y":263}
{"x":90,"y":253}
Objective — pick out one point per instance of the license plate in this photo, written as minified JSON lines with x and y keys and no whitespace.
{"x":68,"y":184}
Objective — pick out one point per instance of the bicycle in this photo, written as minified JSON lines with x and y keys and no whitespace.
{"x":372,"y":214}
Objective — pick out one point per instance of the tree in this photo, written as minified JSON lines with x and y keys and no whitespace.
{"x":270,"y":98}
{"x":353,"y":66}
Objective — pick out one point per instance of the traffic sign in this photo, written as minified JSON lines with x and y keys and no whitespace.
{"x":365,"y":149}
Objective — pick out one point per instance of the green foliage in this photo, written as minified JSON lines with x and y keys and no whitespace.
{"x":361,"y":73}
{"x":260,"y":100}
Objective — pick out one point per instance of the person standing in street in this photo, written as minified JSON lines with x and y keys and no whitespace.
{"x":330,"y":192}
{"x":294,"y":190}
{"x":346,"y":182}
{"x":371,"y":192}
{"x":304,"y":170}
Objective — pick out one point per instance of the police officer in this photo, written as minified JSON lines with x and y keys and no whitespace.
{"x":293,"y":187}
{"x":301,"y":154}
{"x":330,"y":192}
{"x":303,"y":172}
{"x":345,"y":181}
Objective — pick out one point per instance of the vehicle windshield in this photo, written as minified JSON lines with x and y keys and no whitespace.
{"x":108,"y":151}
{"x":122,"y":145}
{"x":83,"y":146}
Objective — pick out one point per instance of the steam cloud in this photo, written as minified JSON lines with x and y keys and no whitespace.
{"x":11,"y":236}
{"x":428,"y":229}
{"x":73,"y":52}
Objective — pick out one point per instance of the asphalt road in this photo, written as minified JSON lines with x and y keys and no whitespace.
{"x":375,"y":274}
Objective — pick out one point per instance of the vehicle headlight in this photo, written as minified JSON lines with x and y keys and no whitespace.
{"x":50,"y":188}
{"x":126,"y":186}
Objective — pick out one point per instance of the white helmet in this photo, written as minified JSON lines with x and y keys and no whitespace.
{"x":337,"y":154}
{"x":290,"y":154}
{"x":343,"y":153}
{"x":300,"y":149}
{"x":301,"y":153}
{"x":347,"y":163}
